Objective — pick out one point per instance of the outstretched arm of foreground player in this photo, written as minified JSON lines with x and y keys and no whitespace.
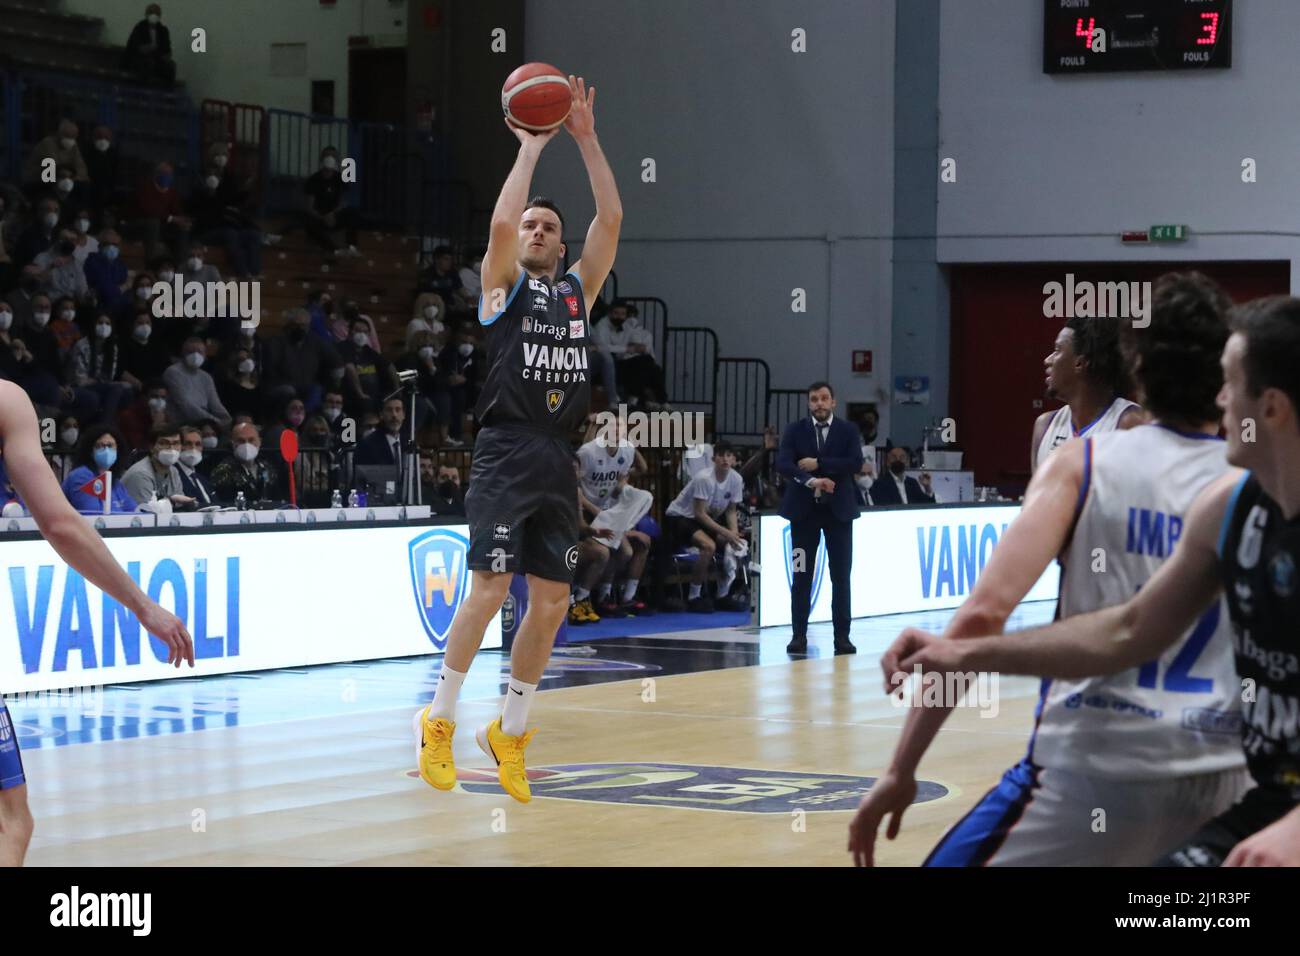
{"x":68,"y":532}
{"x":501,"y":260}
{"x":1112,"y":639}
{"x":599,"y":250}
{"x":1036,"y":536}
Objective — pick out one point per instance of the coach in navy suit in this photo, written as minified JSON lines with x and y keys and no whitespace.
{"x":819,"y":457}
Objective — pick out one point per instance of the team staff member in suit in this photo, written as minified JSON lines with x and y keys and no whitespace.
{"x":819,"y":456}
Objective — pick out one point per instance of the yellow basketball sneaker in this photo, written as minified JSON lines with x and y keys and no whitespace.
{"x":508,"y":752}
{"x":433,"y":750}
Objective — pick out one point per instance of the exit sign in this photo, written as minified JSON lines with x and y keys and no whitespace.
{"x":862,"y":361}
{"x":1168,"y":233}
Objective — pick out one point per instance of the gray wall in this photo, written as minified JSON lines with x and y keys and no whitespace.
{"x":761,"y":153}
{"x":1054,"y":167}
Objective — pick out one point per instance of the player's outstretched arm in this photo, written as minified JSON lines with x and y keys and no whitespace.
{"x":599,"y":250}
{"x":501,"y":260}
{"x":1030,"y":543}
{"x":1115,"y":638}
{"x":69,"y":533}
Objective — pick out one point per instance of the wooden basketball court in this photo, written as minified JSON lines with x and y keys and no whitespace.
{"x":711,"y":766}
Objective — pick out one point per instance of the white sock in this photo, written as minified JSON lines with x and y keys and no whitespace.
{"x":695,"y":591}
{"x":444,"y":698}
{"x":602,"y":592}
{"x":629,"y":590}
{"x":519,"y":697}
{"x":582,"y":593}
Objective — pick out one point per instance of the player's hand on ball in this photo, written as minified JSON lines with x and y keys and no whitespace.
{"x":909,"y":641}
{"x":169,"y":629}
{"x":529,"y":138}
{"x":581,"y":120}
{"x":1278,"y":844}
{"x":890,"y":796}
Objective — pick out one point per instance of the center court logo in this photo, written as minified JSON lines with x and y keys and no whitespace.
{"x":440,"y":579}
{"x":819,"y":571}
{"x":690,"y":786}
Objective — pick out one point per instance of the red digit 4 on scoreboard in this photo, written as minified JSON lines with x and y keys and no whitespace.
{"x":1079,"y":31}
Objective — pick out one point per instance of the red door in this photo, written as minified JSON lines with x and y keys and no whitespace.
{"x":1000,"y":338}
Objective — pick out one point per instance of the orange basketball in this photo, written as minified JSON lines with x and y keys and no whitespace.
{"x":536,"y":97}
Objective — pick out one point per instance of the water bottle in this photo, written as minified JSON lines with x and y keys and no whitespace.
{"x":336,"y":501}
{"x":352,"y":498}
{"x":362,"y":498}
{"x":241,"y":503}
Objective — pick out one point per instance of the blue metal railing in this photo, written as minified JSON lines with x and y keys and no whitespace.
{"x":741,"y":388}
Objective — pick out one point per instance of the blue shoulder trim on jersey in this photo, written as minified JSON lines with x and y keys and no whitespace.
{"x":1197,"y":436}
{"x":579,"y":280}
{"x":1087,"y":479}
{"x":1227,"y":514}
{"x":511,"y":298}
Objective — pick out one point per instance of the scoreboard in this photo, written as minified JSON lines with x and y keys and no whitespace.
{"x":1095,"y":36}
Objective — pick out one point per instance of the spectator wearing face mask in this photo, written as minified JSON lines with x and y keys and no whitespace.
{"x":101,"y":165}
{"x":191,"y":392}
{"x":214,"y":207}
{"x":299,"y":364}
{"x":441,"y":278}
{"x":194,"y":484}
{"x":70,"y":194}
{"x":45,"y":373}
{"x":369,"y":375}
{"x":211,"y":440}
{"x":148,"y":52}
{"x":98,"y":451}
{"x":40,"y":235}
{"x":246,"y":470}
{"x":63,"y":325}
{"x":96,"y":364}
{"x":894,"y":488}
{"x":9,"y":367}
{"x":65,"y":446}
{"x":428,"y":312}
{"x":61,"y":147}
{"x":240,"y":386}
{"x":324,"y":211}
{"x":59,"y":271}
{"x":421,"y":357}
{"x":197,"y":268}
{"x":139,"y":418}
{"x":144,"y":357}
{"x":106,"y":274}
{"x":84,"y":242}
{"x":156,"y":475}
{"x":640,"y":377}
{"x":443,"y":494}
{"x":332,"y":411}
{"x":160,"y":216}
{"x":456,"y":383}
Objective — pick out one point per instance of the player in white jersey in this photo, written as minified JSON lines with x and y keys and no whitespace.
{"x":607,"y":463}
{"x":1086,"y":371}
{"x":703,"y":516}
{"x":1155,"y":747}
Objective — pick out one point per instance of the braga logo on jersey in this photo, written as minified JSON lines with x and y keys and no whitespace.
{"x":544,"y":328}
{"x":439,"y":579}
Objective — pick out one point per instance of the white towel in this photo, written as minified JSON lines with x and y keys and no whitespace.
{"x":630,"y":507}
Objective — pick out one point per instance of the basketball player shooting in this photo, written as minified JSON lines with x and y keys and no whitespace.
{"x":1241,"y":540}
{"x":522,"y":499}
{"x":81,"y":548}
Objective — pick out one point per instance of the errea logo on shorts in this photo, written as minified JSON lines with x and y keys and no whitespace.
{"x":501,"y":532}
